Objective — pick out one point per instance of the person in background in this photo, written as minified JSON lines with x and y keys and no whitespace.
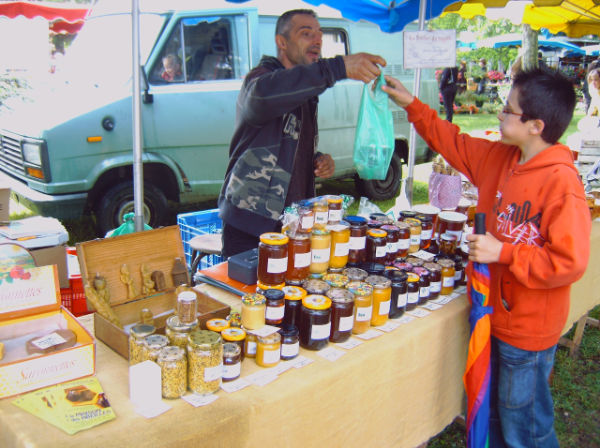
{"x":585,"y":89}
{"x":461,"y":79}
{"x":537,"y":244}
{"x":484,"y":76}
{"x":593,"y":81}
{"x":272,"y":156}
{"x":449,"y":87}
{"x":171,"y":68}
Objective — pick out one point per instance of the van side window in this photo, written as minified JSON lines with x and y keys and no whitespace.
{"x":335,"y":43}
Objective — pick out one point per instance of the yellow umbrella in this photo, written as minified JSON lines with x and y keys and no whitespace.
{"x":575,"y":18}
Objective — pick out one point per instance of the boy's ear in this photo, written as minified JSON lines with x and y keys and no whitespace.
{"x":537,"y":126}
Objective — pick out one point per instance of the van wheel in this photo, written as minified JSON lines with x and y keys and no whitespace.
{"x":119,"y":201}
{"x":382,"y":189}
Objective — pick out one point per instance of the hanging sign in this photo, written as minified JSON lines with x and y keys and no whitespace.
{"x":429,"y":49}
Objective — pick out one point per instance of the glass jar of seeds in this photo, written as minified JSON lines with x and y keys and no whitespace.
{"x":137,"y":334}
{"x":177,"y":332}
{"x":173,"y":371}
{"x":153,"y":344}
{"x":205,"y":361}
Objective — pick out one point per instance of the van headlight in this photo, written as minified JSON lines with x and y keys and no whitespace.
{"x":32,"y":153}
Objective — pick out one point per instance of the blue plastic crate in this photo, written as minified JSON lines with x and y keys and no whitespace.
{"x":199,"y":223}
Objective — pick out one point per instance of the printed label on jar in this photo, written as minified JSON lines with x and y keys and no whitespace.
{"x":384,"y":308}
{"x":232,"y":370}
{"x":302,"y":260}
{"x":289,"y":350}
{"x":381,"y":251}
{"x":358,"y":242}
{"x":321,"y":217}
{"x":335,"y":215}
{"x":251,"y":348}
{"x":346,"y":323}
{"x":402,"y":298}
{"x":413,"y":297}
{"x":403,"y":244}
{"x":435,"y":286}
{"x":320,"y":331}
{"x":274,"y":312}
{"x":447,"y":282}
{"x":426,"y":234}
{"x":277,"y":265}
{"x":308,"y":221}
{"x":391,"y":248}
{"x":320,"y":255}
{"x":271,"y":356}
{"x":457,"y":275}
{"x":341,"y":249}
{"x":364,"y":313}
{"x":213,"y":373}
{"x":424,"y":291}
{"x":415,"y":239}
{"x":456,"y":233}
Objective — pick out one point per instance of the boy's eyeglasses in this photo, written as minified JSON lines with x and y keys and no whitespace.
{"x":506,"y":110}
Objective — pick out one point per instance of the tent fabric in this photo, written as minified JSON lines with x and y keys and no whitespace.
{"x":62,"y":19}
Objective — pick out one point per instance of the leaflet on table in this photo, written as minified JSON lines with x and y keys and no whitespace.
{"x":32,"y":226}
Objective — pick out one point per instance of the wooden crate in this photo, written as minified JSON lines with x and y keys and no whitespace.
{"x":157,"y":249}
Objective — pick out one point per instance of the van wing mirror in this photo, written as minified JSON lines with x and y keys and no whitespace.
{"x":147,"y":97}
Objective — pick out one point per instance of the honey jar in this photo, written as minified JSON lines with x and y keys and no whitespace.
{"x":423,"y":274}
{"x":447,"y":275}
{"x":426,"y":230}
{"x":392,"y":242}
{"x":381,"y":298}
{"x":272,"y":258}
{"x":321,"y":213}
{"x":415,"y":234}
{"x":435,"y":279}
{"x":293,"y":303}
{"x":334,"y":204}
{"x":250,"y":345}
{"x":268,"y":350}
{"x":235,"y":336}
{"x":290,"y":345}
{"x":306,"y":219}
{"x":357,"y":252}
{"x":298,"y":258}
{"x":342,"y":314}
{"x":320,"y":246}
{"x":363,"y":305}
{"x":403,"y":242}
{"x":315,"y":321}
{"x":399,"y":292}
{"x":412,"y":288}
{"x":376,"y":246}
{"x":232,"y":361}
{"x":447,"y":245}
{"x":253,"y":311}
{"x":340,"y":244}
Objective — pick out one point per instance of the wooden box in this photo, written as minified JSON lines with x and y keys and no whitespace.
{"x":156,"y":249}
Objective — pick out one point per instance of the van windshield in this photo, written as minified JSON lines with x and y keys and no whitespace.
{"x":102,"y":53}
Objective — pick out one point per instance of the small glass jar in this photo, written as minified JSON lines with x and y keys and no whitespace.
{"x":415,"y":262}
{"x":153,"y":344}
{"x":355,"y":274}
{"x":315,"y":321}
{"x":426,"y":230}
{"x":459,"y":271}
{"x":382,"y":290}
{"x":137,"y":334}
{"x":253,"y":311}
{"x":412,"y":288}
{"x":232,"y":361}
{"x":268,"y":350}
{"x":373,"y":268}
{"x":205,"y":361}
{"x":435,"y":279}
{"x":275,"y":301}
{"x":376,"y":246}
{"x":407,"y":214}
{"x":423,"y":284}
{"x":146,"y":316}
{"x":315,"y":286}
{"x":306,"y":219}
{"x":321,"y":213}
{"x":399,"y":294}
{"x":217,"y":325}
{"x":403,"y":265}
{"x":447,"y":245}
{"x":272,"y":258}
{"x":235,"y":336}
{"x":334,"y":204}
{"x":187,"y":307}
{"x":293,"y":304}
{"x":177,"y":332}
{"x":250,"y":345}
{"x":392,"y":242}
{"x":433,"y":248}
{"x":290,"y":345}
{"x":357,"y":252}
{"x":336,"y":280}
{"x":320,"y":248}
{"x":403,"y":242}
{"x":447,"y":275}
{"x":298,"y":258}
{"x":342,"y":314}
{"x":415,"y":234}
{"x":363,"y":306}
{"x":173,"y":371}
{"x":340,"y":244}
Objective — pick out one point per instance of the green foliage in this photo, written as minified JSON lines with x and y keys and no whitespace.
{"x":11,"y":85}
{"x":470,"y":97}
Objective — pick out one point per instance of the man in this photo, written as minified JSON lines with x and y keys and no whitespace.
{"x":448,"y":88}
{"x":272,"y":158}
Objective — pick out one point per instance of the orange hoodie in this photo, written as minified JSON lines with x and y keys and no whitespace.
{"x":538,"y":210}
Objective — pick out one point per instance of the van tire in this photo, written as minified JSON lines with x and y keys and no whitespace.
{"x":382,"y":189}
{"x":119,"y":200}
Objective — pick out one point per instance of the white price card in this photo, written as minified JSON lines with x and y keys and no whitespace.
{"x":431,"y":306}
{"x":405,"y":319}
{"x":199,"y":400}
{"x":423,"y":255}
{"x":282,"y":367}
{"x":264,"y":331}
{"x":418,"y":312}
{"x":369,"y":334}
{"x":301,"y":361}
{"x":261,"y":378}
{"x":390,"y":325}
{"x":234,"y":386}
{"x":461,"y":289}
{"x":350,"y":343}
{"x":331,"y":353}
{"x":442,"y":300}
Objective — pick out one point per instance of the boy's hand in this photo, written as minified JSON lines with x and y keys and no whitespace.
{"x":324,"y":166}
{"x":484,"y":248}
{"x":397,"y":92}
{"x":363,"y":66}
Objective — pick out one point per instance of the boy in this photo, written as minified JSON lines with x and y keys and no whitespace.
{"x":537,"y":242}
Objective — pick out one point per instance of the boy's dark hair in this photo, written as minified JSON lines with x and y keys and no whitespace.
{"x":546,"y":95}
{"x":283,"y":22}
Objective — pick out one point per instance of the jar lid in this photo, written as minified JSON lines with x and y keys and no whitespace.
{"x":402,"y":225}
{"x":174,"y":324}
{"x":403,"y":265}
{"x":334,"y":199}
{"x":142,"y":330}
{"x":297,"y":236}
{"x":355,"y":221}
{"x":217,"y":324}
{"x":423,"y":217}
{"x":413,"y":222}
{"x":272,"y":338}
{"x":155,"y":341}
{"x":360,"y":288}
{"x":315,"y":286}
{"x":377,"y":233}
{"x":274,"y":238}
{"x":407,"y":214}
{"x":415,"y":261}
{"x":316,"y":302}
{"x":233,"y":334}
{"x":390,"y":228}
{"x":170,"y":353}
{"x":378,"y":216}
{"x":452,"y":216}
{"x":274,"y":294}
{"x":378,"y":281}
{"x":187,"y":296}
{"x":373,"y":268}
{"x":289,"y":330}
{"x":396,"y":276}
{"x":320,"y":232}
{"x":421,"y":271}
{"x":339,"y":226}
{"x":263,"y":286}
{"x":231,"y":350}
{"x":253,"y":299}
{"x":204,"y":339}
{"x":336,"y":280}
{"x":354,"y":274}
{"x":432,"y":267}
{"x":294,"y":292}
{"x":412,"y":277}
{"x":340,"y":295}
{"x":445,"y":263}
{"x":426,"y":209}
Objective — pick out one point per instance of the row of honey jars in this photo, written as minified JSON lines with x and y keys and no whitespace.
{"x":318,"y":212}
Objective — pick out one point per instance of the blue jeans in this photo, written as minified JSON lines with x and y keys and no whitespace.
{"x":521,"y":407}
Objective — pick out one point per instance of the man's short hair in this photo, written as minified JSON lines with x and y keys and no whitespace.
{"x":549,"y":96}
{"x":283,"y":22}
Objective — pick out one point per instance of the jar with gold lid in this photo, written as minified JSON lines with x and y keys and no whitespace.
{"x":205,"y":361}
{"x":177,"y":332}
{"x":415,"y":234}
{"x":293,"y":303}
{"x":320,"y":247}
{"x":376,"y":246}
{"x":334,"y":204}
{"x":315,"y":321}
{"x":173,"y":371}
{"x":363,"y":305}
{"x":217,"y":325}
{"x":447,"y":275}
{"x":235,"y":336}
{"x":342,"y":314}
{"x":340,"y":244}
{"x":272,"y":258}
{"x":382,"y":290}
{"x":298,"y":258}
{"x":412,"y":287}
{"x":137,"y":334}
{"x":268,"y":350}
{"x":253,"y":311}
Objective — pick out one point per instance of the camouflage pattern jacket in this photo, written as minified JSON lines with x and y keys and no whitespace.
{"x":265,"y":141}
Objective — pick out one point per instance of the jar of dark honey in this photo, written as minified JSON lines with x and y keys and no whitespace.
{"x":272,"y":258}
{"x":334,"y":204}
{"x":357,"y":252}
{"x":293,"y":304}
{"x":392,"y":242}
{"x":426,"y":230}
{"x":412,"y":283}
{"x":298,"y":267}
{"x":376,"y":246}
{"x":435,"y":279}
{"x":275,"y":301}
{"x":399,"y":294}
{"x":342,"y":314}
{"x":423,"y":284}
{"x":315,"y":322}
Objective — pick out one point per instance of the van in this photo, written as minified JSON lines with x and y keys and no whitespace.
{"x":70,"y":152}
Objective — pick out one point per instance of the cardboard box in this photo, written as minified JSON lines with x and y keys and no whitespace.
{"x":29,"y":310}
{"x":53,"y":255}
{"x":156,"y":249}
{"x":4,"y":204}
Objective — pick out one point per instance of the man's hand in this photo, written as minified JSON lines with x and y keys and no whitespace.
{"x":324,"y":166}
{"x":397,"y":92}
{"x":363,"y":66}
{"x":484,"y":248}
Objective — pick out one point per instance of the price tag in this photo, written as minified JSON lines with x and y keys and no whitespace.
{"x":423,"y":255}
{"x":262,"y":378}
{"x":331,"y":353}
{"x":234,"y":386}
{"x":405,"y":319}
{"x":418,"y":312}
{"x":369,"y":334}
{"x":350,"y":343}
{"x":390,"y":325}
{"x":199,"y":400}
{"x":431,"y":306}
{"x":264,"y":331}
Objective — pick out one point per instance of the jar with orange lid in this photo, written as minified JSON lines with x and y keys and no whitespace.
{"x":306,"y":219}
{"x":321,"y":213}
{"x":382,"y":295}
{"x":272,"y":258}
{"x":315,"y":321}
{"x":293,"y":303}
{"x":392,"y":242}
{"x":298,"y":258}
{"x":403,"y":242}
{"x":235,"y":336}
{"x":447,"y":275}
{"x":357,"y":252}
{"x":340,"y":244}
{"x":376,"y":246}
{"x":268,"y":350}
{"x":342,"y":314}
{"x":261,"y":288}
{"x":320,"y":248}
{"x":232,"y":361}
{"x":253,"y":311}
{"x":334,"y":204}
{"x":435,"y":279}
{"x":415,"y":234}
{"x":275,"y":306}
{"x":447,"y":244}
{"x":426,"y":230}
{"x":250,"y":345}
{"x":217,"y":325}
{"x":363,"y":305}
{"x":412,"y":289}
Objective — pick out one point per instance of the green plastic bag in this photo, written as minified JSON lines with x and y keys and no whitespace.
{"x":128,"y":226}
{"x":374,"y":139}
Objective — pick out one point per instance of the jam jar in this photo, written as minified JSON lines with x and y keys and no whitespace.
{"x":321,"y":212}
{"x":272,"y":258}
{"x":250,"y":345}
{"x":382,"y":290}
{"x":232,"y":361}
{"x":340,"y":244}
{"x":298,"y":266}
{"x":426,"y":230}
{"x":447,"y":244}
{"x":268,"y":350}
{"x":357,"y":252}
{"x":205,"y":361}
{"x":373,"y":268}
{"x":236,"y":336}
{"x":423,"y":284}
{"x":459,"y":271}
{"x":334,"y":204}
{"x":447,"y":275}
{"x":416,"y":262}
{"x":306,"y":219}
{"x":153,"y":344}
{"x":415,"y":234}
{"x":399,"y":292}
{"x":363,"y":305}
{"x":290,"y":345}
{"x":253,"y":311}
{"x":187,"y":307}
{"x":403,"y":242}
{"x":315,"y":321}
{"x":435,"y":278}
{"x":392,"y":242}
{"x":137,"y":334}
{"x":315,"y":286}
{"x":177,"y":332}
{"x":355,"y":274}
{"x":336,"y":280}
{"x":275,"y":301}
{"x":217,"y":325}
{"x":376,"y":246}
{"x":173,"y":371}
{"x":406,"y":214}
{"x":320,"y":247}
{"x":412,"y":283}
{"x":403,"y":265}
{"x":293,"y":304}
{"x":342,"y":314}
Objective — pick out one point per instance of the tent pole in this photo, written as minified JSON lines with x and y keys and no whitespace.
{"x":138,"y":167}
